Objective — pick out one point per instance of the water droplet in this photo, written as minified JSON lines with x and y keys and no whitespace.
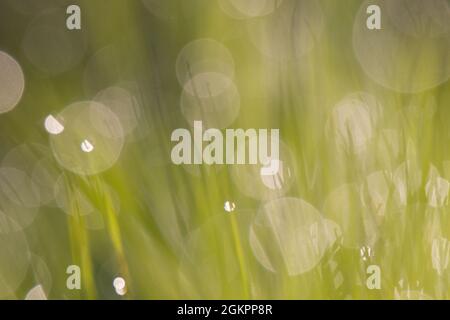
{"x":86,"y":146}
{"x":229,"y":206}
{"x":120,"y":286}
{"x":52,"y":125}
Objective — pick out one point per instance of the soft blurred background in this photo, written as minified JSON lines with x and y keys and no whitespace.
{"x":86,"y":177}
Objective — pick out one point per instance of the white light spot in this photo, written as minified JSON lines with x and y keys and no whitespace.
{"x":52,"y":125}
{"x":12,"y":83}
{"x":229,"y":206}
{"x":120,"y":286}
{"x":37,"y":293}
{"x":86,"y":146}
{"x":366,"y":253}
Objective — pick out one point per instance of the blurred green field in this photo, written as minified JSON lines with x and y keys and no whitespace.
{"x":363,"y":118}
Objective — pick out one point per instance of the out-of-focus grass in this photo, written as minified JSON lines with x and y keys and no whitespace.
{"x":170,"y":236}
